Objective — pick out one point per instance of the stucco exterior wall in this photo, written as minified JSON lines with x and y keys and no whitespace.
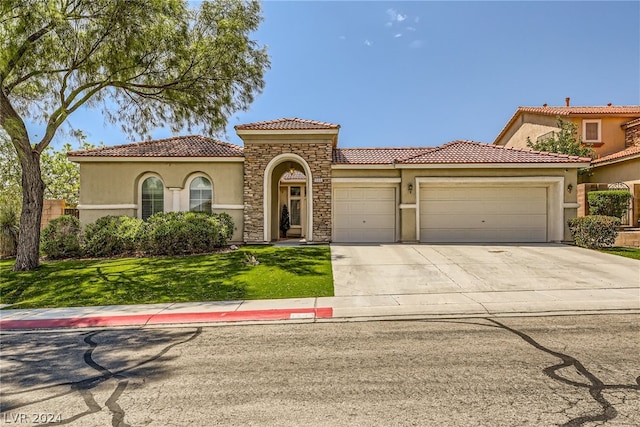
{"x":528,"y":125}
{"x":111,"y":188}
{"x":533,"y":126}
{"x":627,"y":172}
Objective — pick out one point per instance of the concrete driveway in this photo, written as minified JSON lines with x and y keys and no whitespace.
{"x":405,"y":269}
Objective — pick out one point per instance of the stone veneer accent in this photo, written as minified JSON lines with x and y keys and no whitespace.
{"x":317,"y":154}
{"x":632,"y":134}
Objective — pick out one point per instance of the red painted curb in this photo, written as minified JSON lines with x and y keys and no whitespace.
{"x":166,"y":318}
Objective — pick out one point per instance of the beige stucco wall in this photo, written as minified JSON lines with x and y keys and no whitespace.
{"x":533,"y":126}
{"x":527,"y":125}
{"x":106,"y":186}
{"x":627,"y":172}
{"x":407,"y":213}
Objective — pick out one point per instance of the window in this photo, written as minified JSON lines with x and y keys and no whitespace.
{"x":200,"y":195}
{"x":294,"y":205}
{"x":591,"y":131}
{"x":152,"y":196}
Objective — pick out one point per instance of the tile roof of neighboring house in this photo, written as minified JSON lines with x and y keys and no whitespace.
{"x":467,"y":152}
{"x":456,"y":152}
{"x":631,"y":123}
{"x":607,"y":110}
{"x":375,"y":156}
{"x":177,"y":146}
{"x":632,"y":151}
{"x":287,"y":124}
{"x":599,"y":110}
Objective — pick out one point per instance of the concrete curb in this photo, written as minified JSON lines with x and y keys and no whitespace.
{"x":169,"y":318}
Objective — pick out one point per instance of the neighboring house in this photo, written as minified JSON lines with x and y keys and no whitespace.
{"x":462,"y":191}
{"x":612,"y":131}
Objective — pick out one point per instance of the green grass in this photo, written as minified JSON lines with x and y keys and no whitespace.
{"x":633,"y":253}
{"x":283,"y":272}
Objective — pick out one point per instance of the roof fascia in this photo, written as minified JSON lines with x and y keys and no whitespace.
{"x":131,"y":159}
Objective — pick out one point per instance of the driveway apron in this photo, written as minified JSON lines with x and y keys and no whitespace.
{"x":405,"y":269}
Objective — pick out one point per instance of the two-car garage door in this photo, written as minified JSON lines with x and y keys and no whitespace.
{"x":448,"y":213}
{"x":483,"y":214}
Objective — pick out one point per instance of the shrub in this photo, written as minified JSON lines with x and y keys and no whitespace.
{"x":9,"y":231}
{"x":113,"y":235}
{"x":174,"y":233}
{"x":594,"y":231}
{"x":609,"y":202}
{"x":61,"y":238}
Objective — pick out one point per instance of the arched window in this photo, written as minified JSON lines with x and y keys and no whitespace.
{"x":200,"y":195}
{"x":152,"y":196}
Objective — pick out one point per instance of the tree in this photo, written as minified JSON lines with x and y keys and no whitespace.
{"x":61,"y":177}
{"x":145,"y":63}
{"x":564,"y":142}
{"x":10,"y":172}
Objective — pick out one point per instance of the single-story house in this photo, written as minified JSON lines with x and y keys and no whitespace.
{"x":462,"y":191}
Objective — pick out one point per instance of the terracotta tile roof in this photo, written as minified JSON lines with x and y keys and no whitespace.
{"x":632,"y":151}
{"x":607,"y":110}
{"x":177,"y":146}
{"x":599,"y":110}
{"x":469,"y":152}
{"x":456,"y":152}
{"x":631,"y":123}
{"x":287,"y":124}
{"x":375,"y":156}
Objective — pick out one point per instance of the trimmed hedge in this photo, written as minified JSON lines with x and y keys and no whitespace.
{"x":113,"y":235}
{"x":594,"y":231}
{"x":176,"y":233}
{"x":609,"y":202}
{"x":61,"y":238}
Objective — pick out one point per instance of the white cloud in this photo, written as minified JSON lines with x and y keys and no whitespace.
{"x":394,"y":16}
{"x":342,"y":37}
{"x":388,"y":24}
{"x":416,"y":44}
{"x":368,"y":43}
{"x":398,"y":35}
{"x":416,"y":19}
{"x":411,"y":29}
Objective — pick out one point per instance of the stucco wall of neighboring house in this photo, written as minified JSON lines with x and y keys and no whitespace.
{"x":527,"y":125}
{"x":613,"y":135}
{"x":112,"y":187}
{"x":627,"y":172}
{"x":534,"y":125}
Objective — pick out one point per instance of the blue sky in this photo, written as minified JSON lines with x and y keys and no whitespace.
{"x":426,"y":73}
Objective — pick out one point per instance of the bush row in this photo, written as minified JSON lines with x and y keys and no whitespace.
{"x":170,"y":233}
{"x":594,"y":231}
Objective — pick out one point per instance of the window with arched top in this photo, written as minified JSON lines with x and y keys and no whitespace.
{"x":152,"y":196}
{"x":200,"y":195}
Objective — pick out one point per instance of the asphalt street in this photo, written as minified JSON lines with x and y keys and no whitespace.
{"x":573,"y":371}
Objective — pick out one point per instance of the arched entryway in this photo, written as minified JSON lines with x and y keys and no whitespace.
{"x":300,"y":191}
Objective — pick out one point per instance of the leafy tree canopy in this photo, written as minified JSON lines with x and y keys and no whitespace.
{"x":144,"y":63}
{"x":565,"y":141}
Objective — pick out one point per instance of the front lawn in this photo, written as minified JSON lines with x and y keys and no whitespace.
{"x":623,"y":251}
{"x":282,"y":272}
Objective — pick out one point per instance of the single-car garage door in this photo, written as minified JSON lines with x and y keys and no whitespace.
{"x":364,"y":214}
{"x":483,"y":214}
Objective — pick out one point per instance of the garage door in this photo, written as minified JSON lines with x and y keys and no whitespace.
{"x":364,"y":214}
{"x":483,"y":214}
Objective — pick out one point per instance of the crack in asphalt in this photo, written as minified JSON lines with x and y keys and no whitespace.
{"x":83,"y":387}
{"x":595,"y":386}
